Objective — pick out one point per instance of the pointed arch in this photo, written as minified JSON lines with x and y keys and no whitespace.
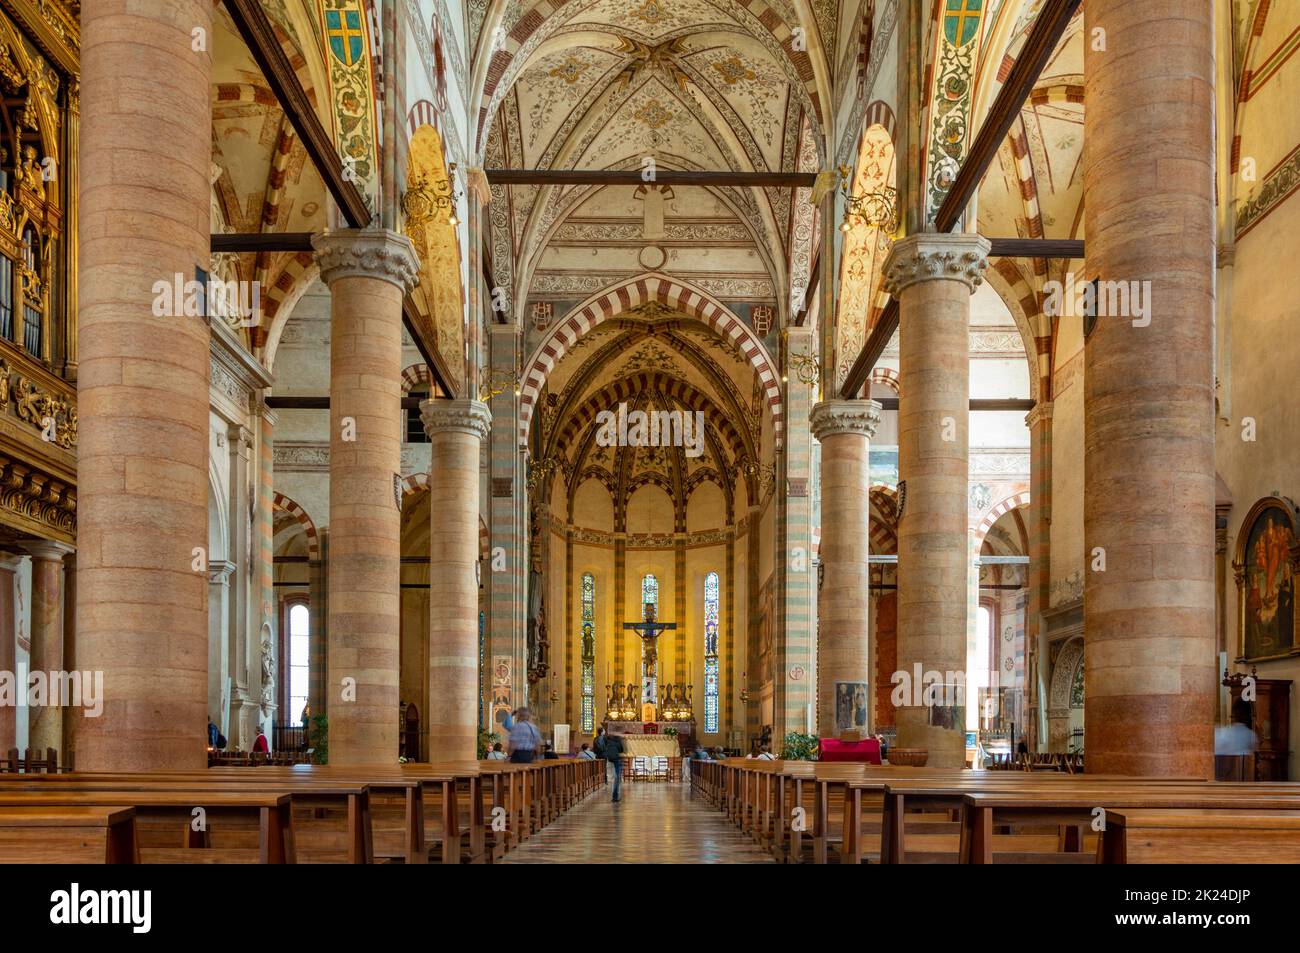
{"x":283,"y":503}
{"x":636,"y":291}
{"x":1020,"y":499}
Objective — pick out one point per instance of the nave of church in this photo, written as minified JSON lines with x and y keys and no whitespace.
{"x":685,"y":431}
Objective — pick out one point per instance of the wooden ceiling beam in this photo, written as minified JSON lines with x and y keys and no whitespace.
{"x":262,"y":242}
{"x":1047,"y":31}
{"x":323,"y":403}
{"x":255,"y":27}
{"x":774,"y":180}
{"x":1022,"y":404}
{"x":1036,"y":248}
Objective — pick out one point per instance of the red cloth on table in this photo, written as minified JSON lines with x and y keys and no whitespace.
{"x":866,"y":751}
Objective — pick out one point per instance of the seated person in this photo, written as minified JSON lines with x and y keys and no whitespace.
{"x":548,"y":752}
{"x":586,"y":754}
{"x":497,"y":753}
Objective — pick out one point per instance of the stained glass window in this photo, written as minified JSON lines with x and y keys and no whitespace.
{"x":588,"y":652}
{"x":649,"y":678}
{"x":711,"y":652}
{"x":649,"y":593}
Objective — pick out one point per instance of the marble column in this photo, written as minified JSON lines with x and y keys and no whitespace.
{"x":142,"y":451}
{"x":1039,"y":421}
{"x":219,"y":573}
{"x":368,"y":273}
{"x":1148,"y":175}
{"x":70,"y":659}
{"x":795,"y":642}
{"x":456,"y":429}
{"x":45,"y":722}
{"x":507,"y":522}
{"x":933,"y":276}
{"x":243,"y":662}
{"x":844,"y":429}
{"x":9,"y":565}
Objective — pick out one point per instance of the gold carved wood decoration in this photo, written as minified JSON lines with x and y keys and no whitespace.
{"x":39,"y":501}
{"x":53,"y":414}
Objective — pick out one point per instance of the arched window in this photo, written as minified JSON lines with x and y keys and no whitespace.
{"x":588,"y":646}
{"x":649,"y":604}
{"x":299,"y":663}
{"x":649,"y":593}
{"x":711,"y":653}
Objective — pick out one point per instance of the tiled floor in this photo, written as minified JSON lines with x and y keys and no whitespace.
{"x":654,"y":823}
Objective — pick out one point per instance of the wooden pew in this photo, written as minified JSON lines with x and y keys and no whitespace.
{"x":948,"y":795}
{"x":1074,"y":806}
{"x":164,"y":828}
{"x":333,"y":822}
{"x":1183,"y":836}
{"x":76,"y":834}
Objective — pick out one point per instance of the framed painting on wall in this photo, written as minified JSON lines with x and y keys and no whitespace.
{"x":1264,"y":567}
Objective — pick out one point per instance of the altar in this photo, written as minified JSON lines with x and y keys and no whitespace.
{"x":651,"y":746}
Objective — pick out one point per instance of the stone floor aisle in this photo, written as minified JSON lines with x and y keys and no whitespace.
{"x":655,"y":823}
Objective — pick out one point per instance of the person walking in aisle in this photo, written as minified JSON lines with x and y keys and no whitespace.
{"x":525,"y":739}
{"x":614,"y":755}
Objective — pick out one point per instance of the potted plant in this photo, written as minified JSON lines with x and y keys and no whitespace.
{"x":318,"y":734}
{"x":486,"y":739}
{"x":799,"y":747}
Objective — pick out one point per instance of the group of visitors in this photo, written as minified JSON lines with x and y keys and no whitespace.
{"x":217,"y":741}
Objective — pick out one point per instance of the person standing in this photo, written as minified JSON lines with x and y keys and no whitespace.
{"x":614,"y":755}
{"x":525,"y":739}
{"x":598,"y":745}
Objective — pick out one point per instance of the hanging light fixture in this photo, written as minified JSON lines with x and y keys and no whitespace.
{"x":875,"y":209}
{"x":424,"y":200}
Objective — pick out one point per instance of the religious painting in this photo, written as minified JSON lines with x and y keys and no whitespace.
{"x":502,"y":684}
{"x":1265,"y":571}
{"x":850,"y":706}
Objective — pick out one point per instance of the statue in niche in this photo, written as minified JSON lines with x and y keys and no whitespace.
{"x":268,"y":670}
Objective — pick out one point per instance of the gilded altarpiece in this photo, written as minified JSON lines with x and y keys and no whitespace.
{"x":39,"y":123}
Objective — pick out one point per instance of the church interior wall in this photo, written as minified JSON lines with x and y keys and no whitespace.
{"x":1260,"y":385}
{"x":1067,"y":555}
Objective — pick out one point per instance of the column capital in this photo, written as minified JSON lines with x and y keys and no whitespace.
{"x":465,"y":416}
{"x":48,"y":549}
{"x":832,"y":417}
{"x":220,"y":571}
{"x":929,"y":256}
{"x":367,"y":253}
{"x":1041,"y":414}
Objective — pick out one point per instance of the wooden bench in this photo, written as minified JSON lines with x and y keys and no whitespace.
{"x":332,"y":815}
{"x":947,"y":795}
{"x":1074,"y":807}
{"x":68,"y":835}
{"x":1184,"y":836}
{"x":251,"y":827}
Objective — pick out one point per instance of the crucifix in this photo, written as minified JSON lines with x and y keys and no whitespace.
{"x":649,"y":629}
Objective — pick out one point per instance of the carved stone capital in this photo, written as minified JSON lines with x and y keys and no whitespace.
{"x":1041,"y":414}
{"x":367,"y":253}
{"x":463,"y":416}
{"x":931,"y":256}
{"x":832,"y":417}
{"x":48,"y":550}
{"x":220,"y":571}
